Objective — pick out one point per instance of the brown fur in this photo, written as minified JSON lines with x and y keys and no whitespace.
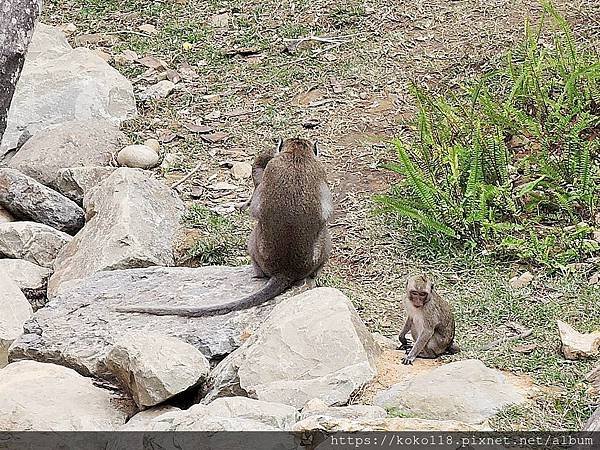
{"x":290,"y":241}
{"x":429,"y":320}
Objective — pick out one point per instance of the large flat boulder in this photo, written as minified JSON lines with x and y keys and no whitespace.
{"x":30,"y":278}
{"x":312,"y":345}
{"x":26,"y":198}
{"x":59,"y":84}
{"x":79,"y":327}
{"x":14,"y":311}
{"x":133,"y":220}
{"x":47,"y":397}
{"x":79,"y":143}
{"x":32,"y":242}
{"x":466,"y":390}
{"x":154,"y":367}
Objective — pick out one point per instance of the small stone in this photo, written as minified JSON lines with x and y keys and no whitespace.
{"x":241,"y":170}
{"x":385,"y":342}
{"x":214,"y":115}
{"x":311,"y":122}
{"x":148,"y":28}
{"x":363,"y":95}
{"x":220,"y":20}
{"x":14,"y":311}
{"x":213,"y":98}
{"x":222,"y":186}
{"x":595,"y":278}
{"x":126,"y":57}
{"x":577,"y":345}
{"x":521,"y":281}
{"x":138,"y":157}
{"x":144,"y":363}
{"x":32,"y":241}
{"x":153,"y":144}
{"x":159,"y":90}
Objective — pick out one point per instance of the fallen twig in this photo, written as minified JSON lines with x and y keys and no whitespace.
{"x":522,"y":335}
{"x":187,"y":177}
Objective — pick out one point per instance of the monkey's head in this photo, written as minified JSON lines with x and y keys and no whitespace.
{"x":419,"y":290}
{"x":297,"y":147}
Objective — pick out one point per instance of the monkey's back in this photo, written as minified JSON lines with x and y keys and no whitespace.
{"x":291,"y":218}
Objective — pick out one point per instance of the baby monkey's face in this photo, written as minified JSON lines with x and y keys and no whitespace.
{"x":418,"y":298}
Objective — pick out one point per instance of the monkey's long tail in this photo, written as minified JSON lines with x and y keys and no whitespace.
{"x":275,"y":286}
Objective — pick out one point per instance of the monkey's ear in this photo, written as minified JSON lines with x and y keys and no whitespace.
{"x":279,"y":145}
{"x":316,"y":149}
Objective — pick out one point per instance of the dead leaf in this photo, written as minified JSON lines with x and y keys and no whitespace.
{"x":306,"y":98}
{"x":220,"y":20}
{"x":336,"y":86}
{"x":212,"y":98}
{"x":242,"y":51}
{"x":186,"y":72}
{"x":96,"y":39}
{"x":166,"y":136}
{"x":521,"y":281}
{"x":153,"y":63}
{"x":215,"y":138}
{"x":148,"y":28}
{"x":237,"y":112}
{"x":222,"y":186}
{"x":311,"y":122}
{"x":577,"y":345}
{"x":214,"y":115}
{"x":198,"y":128}
{"x":525,"y":348}
{"x":173,"y":76}
{"x":126,"y":56}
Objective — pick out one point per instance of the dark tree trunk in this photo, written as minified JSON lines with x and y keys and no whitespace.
{"x":17,"y":19}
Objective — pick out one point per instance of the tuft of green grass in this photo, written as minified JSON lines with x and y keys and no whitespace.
{"x":221,"y":240}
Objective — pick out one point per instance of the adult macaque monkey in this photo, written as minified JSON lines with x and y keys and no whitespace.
{"x":290,"y":241}
{"x":429,"y":320}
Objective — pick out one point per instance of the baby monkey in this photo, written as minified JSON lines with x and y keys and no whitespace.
{"x":429,"y":320}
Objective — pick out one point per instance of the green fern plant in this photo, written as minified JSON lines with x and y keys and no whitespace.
{"x":512,"y":154}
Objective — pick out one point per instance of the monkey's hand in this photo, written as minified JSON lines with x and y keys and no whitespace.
{"x":405,"y":344}
{"x":408,"y":360}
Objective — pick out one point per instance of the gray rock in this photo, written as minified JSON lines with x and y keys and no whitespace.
{"x":317,"y":407}
{"x":31,"y":241}
{"x":25,"y":197}
{"x":464,"y":390}
{"x":133,"y":221}
{"x":385,"y":342}
{"x":79,"y":327}
{"x":138,"y":156}
{"x":154,"y":367}
{"x":47,"y":397}
{"x":158,"y":90}
{"x":75,"y":182}
{"x":5,"y":216}
{"x":68,"y":145}
{"x":47,"y":43}
{"x":30,"y":278}
{"x":141,"y":421}
{"x":312,"y":345}
{"x":228,"y":414}
{"x":14,"y":311}
{"x":59,"y":85}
